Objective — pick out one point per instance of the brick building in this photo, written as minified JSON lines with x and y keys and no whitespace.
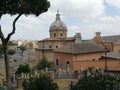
{"x":58,"y":38}
{"x":74,"y":52}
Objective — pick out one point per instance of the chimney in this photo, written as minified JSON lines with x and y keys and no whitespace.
{"x":98,"y":39}
{"x":78,"y":37}
{"x":98,"y":34}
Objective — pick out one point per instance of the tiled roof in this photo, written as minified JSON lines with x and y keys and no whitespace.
{"x":59,"y":39}
{"x":111,"y":39}
{"x":114,"y":54}
{"x":107,"y":39}
{"x":79,"y":48}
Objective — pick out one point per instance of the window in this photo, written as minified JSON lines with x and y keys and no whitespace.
{"x":67,"y":64}
{"x":57,"y":62}
{"x":56,"y":46}
{"x":54,"y":35}
{"x":49,"y":46}
{"x":61,"y":34}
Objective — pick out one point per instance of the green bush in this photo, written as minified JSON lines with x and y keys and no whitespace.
{"x":5,"y":88}
{"x":41,"y":83}
{"x":23,"y":69}
{"x":43,"y":63}
{"x":96,"y":81}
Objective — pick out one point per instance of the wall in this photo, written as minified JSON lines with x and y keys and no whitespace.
{"x":111,"y":64}
{"x":116,"y":47}
{"x":48,"y":46}
{"x":62,"y":59}
{"x":74,"y":58}
{"x":88,"y":56}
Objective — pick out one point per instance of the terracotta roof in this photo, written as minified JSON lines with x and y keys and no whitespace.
{"x":79,"y":48}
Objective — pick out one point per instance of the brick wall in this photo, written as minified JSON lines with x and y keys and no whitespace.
{"x":85,"y":60}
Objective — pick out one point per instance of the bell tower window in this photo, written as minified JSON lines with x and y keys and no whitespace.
{"x":61,"y":34}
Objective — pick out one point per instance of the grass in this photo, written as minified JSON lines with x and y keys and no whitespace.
{"x":64,"y":83}
{"x":1,"y":59}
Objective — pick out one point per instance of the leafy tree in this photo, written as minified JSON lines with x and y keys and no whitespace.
{"x":96,"y":81}
{"x":18,"y":7}
{"x":40,"y":83}
{"x":10,"y":43}
{"x":43,"y":63}
{"x":22,"y":48}
{"x":23,"y":69}
{"x":11,"y":51}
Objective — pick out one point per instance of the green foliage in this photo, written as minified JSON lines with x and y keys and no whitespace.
{"x":43,"y":63}
{"x":11,"y":51}
{"x":22,"y":48}
{"x":5,"y":88}
{"x":97,"y":81}
{"x":41,"y":83}
{"x":23,"y":69}
{"x":18,"y":7}
{"x":26,"y":7}
{"x":10,"y":43}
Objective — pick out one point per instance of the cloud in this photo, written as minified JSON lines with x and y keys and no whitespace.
{"x":110,"y":19}
{"x":79,"y":16}
{"x":83,"y":9}
{"x":115,"y":3}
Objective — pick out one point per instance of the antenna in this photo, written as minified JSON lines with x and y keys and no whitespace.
{"x":94,"y":31}
{"x":58,"y":11}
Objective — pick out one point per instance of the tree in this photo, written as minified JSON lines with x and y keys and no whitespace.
{"x":23,"y":69}
{"x":22,"y":48}
{"x":18,"y":7}
{"x":1,"y":50}
{"x":43,"y":63}
{"x":11,"y":51}
{"x":96,"y":81}
{"x":39,"y":83}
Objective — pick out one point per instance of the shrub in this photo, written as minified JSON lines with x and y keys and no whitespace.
{"x":43,"y":63}
{"x":97,"y":81}
{"x":40,"y":83}
{"x":23,"y":69}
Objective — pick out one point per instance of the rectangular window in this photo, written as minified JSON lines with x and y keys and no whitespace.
{"x":57,"y":62}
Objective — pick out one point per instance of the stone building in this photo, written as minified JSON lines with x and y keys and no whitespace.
{"x":58,"y":38}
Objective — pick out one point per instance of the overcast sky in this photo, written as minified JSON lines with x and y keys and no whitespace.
{"x":84,"y":16}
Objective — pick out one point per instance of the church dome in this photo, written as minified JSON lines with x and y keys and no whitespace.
{"x":58,"y":28}
{"x":58,"y":24}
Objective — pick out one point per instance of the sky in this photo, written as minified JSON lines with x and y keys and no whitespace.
{"x":80,"y":16}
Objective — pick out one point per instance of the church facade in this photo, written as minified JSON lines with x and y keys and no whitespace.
{"x":58,"y":38}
